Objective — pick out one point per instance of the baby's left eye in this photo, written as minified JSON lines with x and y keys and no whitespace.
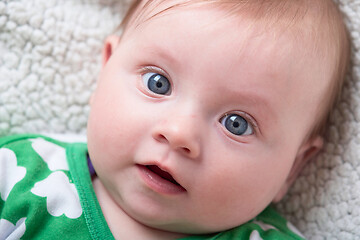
{"x":237,"y":125}
{"x":157,"y":83}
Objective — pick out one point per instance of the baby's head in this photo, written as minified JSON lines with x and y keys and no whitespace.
{"x":206,"y":111}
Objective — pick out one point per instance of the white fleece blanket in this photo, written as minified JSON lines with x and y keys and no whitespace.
{"x":49,"y":60}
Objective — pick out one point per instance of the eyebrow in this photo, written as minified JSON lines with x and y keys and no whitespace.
{"x":154,"y":48}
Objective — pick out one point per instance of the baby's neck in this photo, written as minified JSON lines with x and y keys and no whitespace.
{"x":122,"y":225}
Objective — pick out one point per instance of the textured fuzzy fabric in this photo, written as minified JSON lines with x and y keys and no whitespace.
{"x":50,"y":56}
{"x":49,"y":60}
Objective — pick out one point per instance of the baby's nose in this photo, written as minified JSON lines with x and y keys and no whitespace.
{"x":181,"y":133}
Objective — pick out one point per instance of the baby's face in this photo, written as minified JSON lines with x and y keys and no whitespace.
{"x":197,"y":121}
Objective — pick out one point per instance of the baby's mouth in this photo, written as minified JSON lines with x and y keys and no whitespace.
{"x":160,"y":180}
{"x":163,"y":174}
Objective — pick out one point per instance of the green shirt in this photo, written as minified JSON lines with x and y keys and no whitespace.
{"x":46,"y":193}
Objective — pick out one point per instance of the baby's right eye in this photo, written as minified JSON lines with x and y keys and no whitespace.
{"x":157,"y":83}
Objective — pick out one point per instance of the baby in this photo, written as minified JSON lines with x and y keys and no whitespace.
{"x":204,"y":114}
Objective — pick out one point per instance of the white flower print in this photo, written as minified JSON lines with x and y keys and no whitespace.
{"x":264,"y":226}
{"x":52,"y":154}
{"x":10,"y":172}
{"x":255,"y":235}
{"x":10,"y":231}
{"x":61,"y":195}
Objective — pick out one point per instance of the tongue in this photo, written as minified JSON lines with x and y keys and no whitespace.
{"x":162,"y":173}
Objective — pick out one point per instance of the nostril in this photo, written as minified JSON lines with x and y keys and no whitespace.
{"x":161,"y":138}
{"x":186,"y":150}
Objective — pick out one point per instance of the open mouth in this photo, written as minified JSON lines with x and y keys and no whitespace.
{"x":159,"y":180}
{"x":165,"y":175}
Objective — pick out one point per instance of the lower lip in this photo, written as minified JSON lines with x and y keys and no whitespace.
{"x":157,"y":183}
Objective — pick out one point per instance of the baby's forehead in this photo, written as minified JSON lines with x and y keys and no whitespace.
{"x":271,"y":19}
{"x":278,"y":17}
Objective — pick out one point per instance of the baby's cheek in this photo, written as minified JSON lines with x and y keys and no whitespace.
{"x":222,"y":207}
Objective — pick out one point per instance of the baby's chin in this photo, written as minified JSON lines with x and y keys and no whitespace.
{"x":189,"y":227}
{"x":183,"y":228}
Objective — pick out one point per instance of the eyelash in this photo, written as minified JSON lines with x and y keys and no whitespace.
{"x":147,"y":69}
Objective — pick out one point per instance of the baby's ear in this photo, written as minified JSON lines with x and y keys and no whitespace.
{"x":110,"y":45}
{"x":306,"y":152}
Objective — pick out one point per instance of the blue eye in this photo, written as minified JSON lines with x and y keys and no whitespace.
{"x":237,"y":125}
{"x":157,"y":83}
